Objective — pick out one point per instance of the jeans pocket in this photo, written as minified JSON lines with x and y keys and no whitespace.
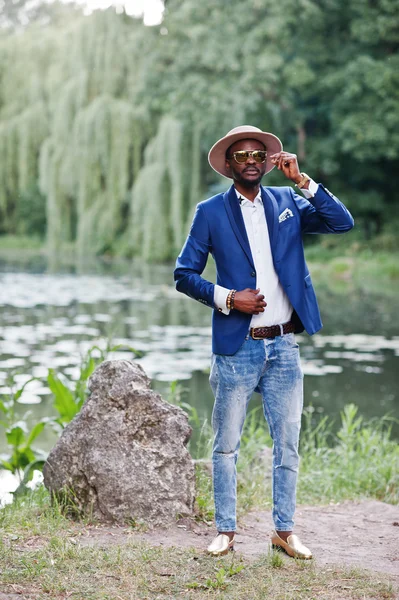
{"x":289,"y":339}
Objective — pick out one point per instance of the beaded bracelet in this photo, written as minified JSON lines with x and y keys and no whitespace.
{"x":230,"y":299}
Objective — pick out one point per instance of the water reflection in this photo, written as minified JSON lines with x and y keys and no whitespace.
{"x":51,"y":321}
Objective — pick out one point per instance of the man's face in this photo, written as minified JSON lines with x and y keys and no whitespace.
{"x":250,"y":173}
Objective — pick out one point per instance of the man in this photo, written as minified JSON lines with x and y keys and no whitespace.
{"x":264,"y":295}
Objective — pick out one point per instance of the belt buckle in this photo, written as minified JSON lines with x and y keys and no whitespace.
{"x":253,"y":336}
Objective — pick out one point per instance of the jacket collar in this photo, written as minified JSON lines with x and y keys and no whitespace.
{"x":271,"y":211}
{"x":234,"y":213}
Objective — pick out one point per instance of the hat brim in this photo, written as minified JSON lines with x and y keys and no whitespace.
{"x":217,"y":154}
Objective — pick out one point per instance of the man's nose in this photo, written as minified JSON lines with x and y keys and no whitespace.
{"x":250,"y":159}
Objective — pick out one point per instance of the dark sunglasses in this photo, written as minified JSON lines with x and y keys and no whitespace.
{"x":241,"y":156}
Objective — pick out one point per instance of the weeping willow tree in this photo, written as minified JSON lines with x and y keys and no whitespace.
{"x":58,"y":223}
{"x":114,"y":119}
{"x":157,"y":195}
{"x":20,"y":141}
{"x":69,"y":119}
{"x":75,"y":117}
{"x":24,"y":119}
{"x":100,"y":135}
{"x":106,"y":154}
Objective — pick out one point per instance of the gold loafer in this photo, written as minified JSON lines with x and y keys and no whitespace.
{"x":221,"y":545}
{"x":293,"y":546}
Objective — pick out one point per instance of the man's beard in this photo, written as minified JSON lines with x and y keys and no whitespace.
{"x":240,"y":178}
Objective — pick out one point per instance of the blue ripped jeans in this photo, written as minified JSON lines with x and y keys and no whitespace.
{"x":271,"y":367}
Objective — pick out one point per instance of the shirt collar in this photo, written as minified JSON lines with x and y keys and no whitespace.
{"x":258,"y":198}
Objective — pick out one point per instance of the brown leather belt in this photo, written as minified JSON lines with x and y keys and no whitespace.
{"x":259,"y":333}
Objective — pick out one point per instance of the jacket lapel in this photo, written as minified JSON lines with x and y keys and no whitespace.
{"x":234,"y":213}
{"x":271,"y":211}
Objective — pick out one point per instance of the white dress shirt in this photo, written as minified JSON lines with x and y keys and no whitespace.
{"x":279,"y":308}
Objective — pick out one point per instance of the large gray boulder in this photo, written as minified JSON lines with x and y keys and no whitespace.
{"x":124,"y":456}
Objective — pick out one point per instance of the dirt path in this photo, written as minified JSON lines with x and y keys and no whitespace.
{"x":364,"y":534}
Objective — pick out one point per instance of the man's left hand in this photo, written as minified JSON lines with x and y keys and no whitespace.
{"x":288,"y":164}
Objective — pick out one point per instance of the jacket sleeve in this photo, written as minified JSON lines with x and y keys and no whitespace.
{"x":323,"y":213}
{"x":192,"y":261}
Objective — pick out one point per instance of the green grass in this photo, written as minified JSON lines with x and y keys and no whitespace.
{"x":372,"y":272}
{"x":41,"y":556}
{"x":359,"y":461}
{"x":57,"y":567}
{"x":20,"y":242}
{"x":33,"y":515}
{"x":344,"y":264}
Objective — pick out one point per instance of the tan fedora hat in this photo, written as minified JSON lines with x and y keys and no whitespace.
{"x":217,"y":154}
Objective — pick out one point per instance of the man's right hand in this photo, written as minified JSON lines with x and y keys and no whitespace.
{"x":249,"y":301}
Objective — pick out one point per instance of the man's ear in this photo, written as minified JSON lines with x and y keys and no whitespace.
{"x":227,"y":164}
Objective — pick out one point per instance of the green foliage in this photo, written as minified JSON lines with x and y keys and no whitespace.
{"x":200,"y":443}
{"x":16,"y":243}
{"x":82,"y":134}
{"x":34,"y":513}
{"x":54,"y":564}
{"x":175,"y":394}
{"x":30,"y":213}
{"x":22,"y":458}
{"x":204,"y":496}
{"x":218,"y":581}
{"x":106,"y":135}
{"x":113,"y":120}
{"x":157,"y":209}
{"x":361,"y":460}
{"x":70,"y":396}
{"x":65,"y":402}
{"x":275,"y":559}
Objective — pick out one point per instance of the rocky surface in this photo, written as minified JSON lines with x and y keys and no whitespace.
{"x":124,"y":458}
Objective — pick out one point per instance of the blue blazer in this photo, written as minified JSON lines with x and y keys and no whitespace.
{"x":218,"y":229}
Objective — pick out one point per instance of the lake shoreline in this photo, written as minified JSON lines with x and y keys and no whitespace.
{"x":353,"y":264}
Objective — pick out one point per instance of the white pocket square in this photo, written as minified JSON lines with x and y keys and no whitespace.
{"x":286,"y":214}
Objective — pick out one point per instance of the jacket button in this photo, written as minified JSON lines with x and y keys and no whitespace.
{"x":253,"y":274}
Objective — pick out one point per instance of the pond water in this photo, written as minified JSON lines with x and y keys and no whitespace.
{"x":50,"y":320}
